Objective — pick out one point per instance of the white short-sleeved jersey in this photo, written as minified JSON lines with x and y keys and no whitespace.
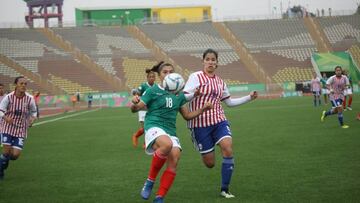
{"x":212,"y":89}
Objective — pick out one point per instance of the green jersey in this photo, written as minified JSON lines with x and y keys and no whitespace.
{"x":162,"y":108}
{"x":143,"y":87}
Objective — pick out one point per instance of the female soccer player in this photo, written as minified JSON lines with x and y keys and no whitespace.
{"x":160,"y":130}
{"x":211,"y":128}
{"x":316,"y":90}
{"x":150,"y":77}
{"x":18,"y":111}
{"x":336,"y":84}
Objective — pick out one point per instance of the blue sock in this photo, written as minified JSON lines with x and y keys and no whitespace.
{"x":341,"y":118}
{"x":226,"y":172}
{"x":4,"y":160}
{"x":328,"y":113}
{"x":314,"y":102}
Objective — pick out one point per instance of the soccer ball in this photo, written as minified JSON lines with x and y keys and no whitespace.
{"x":173,"y":82}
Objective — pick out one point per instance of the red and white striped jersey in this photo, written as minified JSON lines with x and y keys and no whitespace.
{"x":212,"y":89}
{"x":20,"y":110}
{"x":315,"y":85}
{"x":338,"y":85}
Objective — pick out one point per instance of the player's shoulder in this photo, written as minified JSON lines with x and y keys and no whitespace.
{"x":195,"y":74}
{"x":29,"y":95}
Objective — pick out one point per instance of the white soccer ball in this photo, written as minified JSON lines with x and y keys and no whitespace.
{"x":173,"y":82}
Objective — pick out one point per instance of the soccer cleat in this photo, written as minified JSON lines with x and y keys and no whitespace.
{"x":323,"y":116}
{"x":146,"y":190}
{"x":349,"y":108}
{"x":226,"y":195}
{"x":345,"y":126}
{"x":135,"y":140}
{"x":158,"y":199}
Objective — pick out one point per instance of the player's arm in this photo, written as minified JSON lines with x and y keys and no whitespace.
{"x":328,"y":84}
{"x":137,"y":104}
{"x":231,"y":102}
{"x":33,"y":112}
{"x":3,"y":108}
{"x":187,"y":115}
{"x":191,"y":89}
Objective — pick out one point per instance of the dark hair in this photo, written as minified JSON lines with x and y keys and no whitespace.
{"x":1,"y":84}
{"x":148,"y":71}
{"x":338,"y":67}
{"x":17,"y":79}
{"x":158,"y":67}
{"x":210,"y":51}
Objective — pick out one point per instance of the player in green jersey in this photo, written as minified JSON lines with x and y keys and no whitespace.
{"x":160,"y":130}
{"x":150,"y":77}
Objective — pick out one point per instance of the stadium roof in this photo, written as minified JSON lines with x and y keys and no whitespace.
{"x":142,"y":7}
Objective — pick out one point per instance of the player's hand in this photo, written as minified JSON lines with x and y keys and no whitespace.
{"x":208,"y":106}
{"x":253,"y":95}
{"x":31,"y":121}
{"x":135,"y":99}
{"x":197,"y":92}
{"x":8,"y":120}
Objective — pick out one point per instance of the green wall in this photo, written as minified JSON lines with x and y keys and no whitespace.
{"x":112,"y":17}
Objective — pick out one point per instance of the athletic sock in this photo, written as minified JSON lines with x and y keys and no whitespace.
{"x":166,"y":181}
{"x":340,"y":117}
{"x":4,"y":160}
{"x":350,"y":102}
{"x":139,"y":132}
{"x":157,"y":163}
{"x":226,"y":172}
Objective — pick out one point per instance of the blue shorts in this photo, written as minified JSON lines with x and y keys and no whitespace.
{"x":316,"y":93}
{"x":15,"y":142}
{"x":337,"y":102}
{"x":206,"y":138}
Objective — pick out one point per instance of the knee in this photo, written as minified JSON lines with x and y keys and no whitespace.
{"x":166,"y":147}
{"x":227,"y":151}
{"x":209,"y":163}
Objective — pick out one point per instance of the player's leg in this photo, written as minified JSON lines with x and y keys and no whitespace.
{"x":319,"y":97}
{"x":159,"y":144}
{"x":140,"y":131}
{"x":350,"y":102}
{"x":224,"y":140}
{"x":203,"y":143}
{"x":6,"y":153}
{"x":340,"y":114}
{"x":169,"y":174}
{"x":344,"y":102}
{"x":314,"y":94}
{"x":330,"y":112}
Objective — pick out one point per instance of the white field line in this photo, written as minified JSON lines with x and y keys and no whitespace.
{"x":63,"y":117}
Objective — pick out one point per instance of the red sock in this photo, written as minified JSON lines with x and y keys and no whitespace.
{"x":157,"y":163}
{"x":166,"y":181}
{"x":344,"y":103}
{"x":139,"y":132}
{"x":350,"y":101}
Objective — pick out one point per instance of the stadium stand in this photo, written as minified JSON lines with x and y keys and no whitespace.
{"x":342,"y":31}
{"x":276,"y":44}
{"x":185,"y":43}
